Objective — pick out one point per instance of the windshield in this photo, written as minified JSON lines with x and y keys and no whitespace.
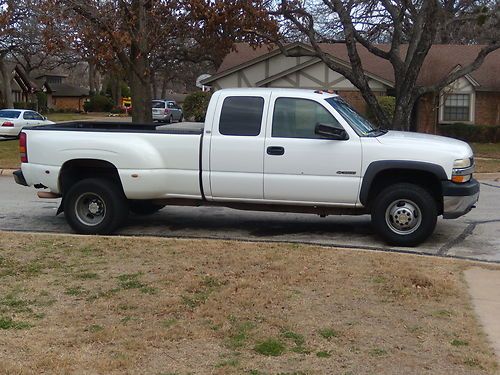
{"x":9,"y":114}
{"x":158,"y":104}
{"x":360,"y":125}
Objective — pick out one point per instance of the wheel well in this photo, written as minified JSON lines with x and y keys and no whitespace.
{"x":78,"y":169}
{"x":424,"y":179}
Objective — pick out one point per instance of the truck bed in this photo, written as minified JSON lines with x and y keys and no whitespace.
{"x":124,"y":127}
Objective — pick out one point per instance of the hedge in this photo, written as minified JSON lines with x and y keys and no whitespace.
{"x":25,"y":105}
{"x":98,"y":103}
{"x":471,"y":133}
{"x":388,"y":104}
{"x":195,"y":105}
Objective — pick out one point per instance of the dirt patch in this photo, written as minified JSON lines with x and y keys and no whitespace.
{"x":165,"y":306}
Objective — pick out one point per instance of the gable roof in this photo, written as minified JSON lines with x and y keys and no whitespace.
{"x":440,"y":61}
{"x":63,"y":89}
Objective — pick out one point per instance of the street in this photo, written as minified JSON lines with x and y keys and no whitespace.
{"x":474,"y":236}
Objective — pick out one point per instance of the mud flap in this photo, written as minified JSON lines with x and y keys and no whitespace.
{"x":61,"y":207}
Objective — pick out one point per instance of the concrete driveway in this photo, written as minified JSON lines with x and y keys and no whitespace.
{"x":475,"y":236}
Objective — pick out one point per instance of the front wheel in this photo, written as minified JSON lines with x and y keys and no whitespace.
{"x":404,"y":214}
{"x":95,"y":206}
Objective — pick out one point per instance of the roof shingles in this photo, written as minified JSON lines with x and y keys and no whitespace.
{"x":440,"y":61}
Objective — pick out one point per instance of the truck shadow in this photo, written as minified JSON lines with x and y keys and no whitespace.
{"x":226,"y":222}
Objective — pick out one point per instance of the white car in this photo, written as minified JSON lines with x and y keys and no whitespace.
{"x":12,"y":121}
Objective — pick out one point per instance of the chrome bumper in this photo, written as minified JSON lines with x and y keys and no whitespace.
{"x":459,"y":199}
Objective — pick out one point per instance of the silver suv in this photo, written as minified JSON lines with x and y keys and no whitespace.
{"x":166,"y":111}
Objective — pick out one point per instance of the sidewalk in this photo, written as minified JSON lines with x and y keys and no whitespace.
{"x":484,"y":289}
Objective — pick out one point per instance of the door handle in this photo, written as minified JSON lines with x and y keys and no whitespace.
{"x":275,"y":150}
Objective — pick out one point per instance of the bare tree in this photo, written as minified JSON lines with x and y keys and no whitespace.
{"x":409,"y":27}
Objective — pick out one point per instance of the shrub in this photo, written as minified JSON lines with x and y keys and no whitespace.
{"x":471,"y":133}
{"x":388,"y":104}
{"x":41,"y":98}
{"x":118,"y":110}
{"x":195,"y":105}
{"x":98,"y":103}
{"x":25,"y":105}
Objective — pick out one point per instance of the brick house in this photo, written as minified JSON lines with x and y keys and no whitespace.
{"x":60,"y":95}
{"x":473,"y":99}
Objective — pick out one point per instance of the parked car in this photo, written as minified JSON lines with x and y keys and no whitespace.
{"x":12,"y":121}
{"x":266,"y":149}
{"x":166,"y":111}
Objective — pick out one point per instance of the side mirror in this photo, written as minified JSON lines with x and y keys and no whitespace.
{"x":331,"y":132}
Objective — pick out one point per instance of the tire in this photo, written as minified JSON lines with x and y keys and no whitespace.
{"x":404,"y":214}
{"x":144,"y":207}
{"x":181,"y":118}
{"x":95,"y":206}
{"x":170,"y":119}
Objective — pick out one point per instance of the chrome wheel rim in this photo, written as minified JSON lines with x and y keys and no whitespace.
{"x":90,"y":209}
{"x":403,"y":216}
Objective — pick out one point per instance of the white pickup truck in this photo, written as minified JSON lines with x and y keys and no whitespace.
{"x":279,"y":150}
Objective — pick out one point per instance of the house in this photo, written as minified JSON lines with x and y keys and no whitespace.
{"x":22,"y":87}
{"x":60,"y":95}
{"x":473,"y":99}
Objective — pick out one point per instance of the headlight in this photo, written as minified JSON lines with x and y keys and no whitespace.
{"x":462,"y":163}
{"x":462,"y":170}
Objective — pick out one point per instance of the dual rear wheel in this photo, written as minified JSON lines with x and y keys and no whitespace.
{"x":99,"y":206}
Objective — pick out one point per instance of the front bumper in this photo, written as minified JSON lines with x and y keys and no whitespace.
{"x":459,"y":199}
{"x":19,"y":178}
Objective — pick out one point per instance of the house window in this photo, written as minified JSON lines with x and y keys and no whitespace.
{"x":457,"y":107}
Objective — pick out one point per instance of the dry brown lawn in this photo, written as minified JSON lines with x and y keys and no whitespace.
{"x":111,"y":305}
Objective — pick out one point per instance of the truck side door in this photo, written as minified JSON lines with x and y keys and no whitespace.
{"x":301,"y":166}
{"x":237,"y":147}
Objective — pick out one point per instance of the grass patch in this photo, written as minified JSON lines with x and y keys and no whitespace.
{"x":270,"y":347}
{"x":111,"y":304}
{"x":87,"y":276}
{"x":202,"y":292}
{"x":240,"y":333}
{"x":9,"y":323}
{"x":323,"y":354}
{"x":328,"y":333}
{"x":130,"y":281}
{"x":378,"y":352}
{"x":9,"y":154}
{"x":457,"y":342}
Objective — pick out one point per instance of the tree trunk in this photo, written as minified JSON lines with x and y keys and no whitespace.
{"x":139,"y":69}
{"x":92,"y":88}
{"x":140,"y":89}
{"x":6,"y":88}
{"x":154,"y":88}
{"x":403,"y":112}
{"x":116,"y":89}
{"x":164,"y":81}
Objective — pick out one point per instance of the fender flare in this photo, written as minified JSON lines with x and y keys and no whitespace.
{"x":383,"y":165}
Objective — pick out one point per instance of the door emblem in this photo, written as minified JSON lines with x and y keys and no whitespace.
{"x":346,"y":172}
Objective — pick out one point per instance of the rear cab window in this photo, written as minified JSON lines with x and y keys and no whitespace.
{"x":241,"y":116}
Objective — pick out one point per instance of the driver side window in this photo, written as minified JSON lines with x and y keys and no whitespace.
{"x":297,"y":118}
